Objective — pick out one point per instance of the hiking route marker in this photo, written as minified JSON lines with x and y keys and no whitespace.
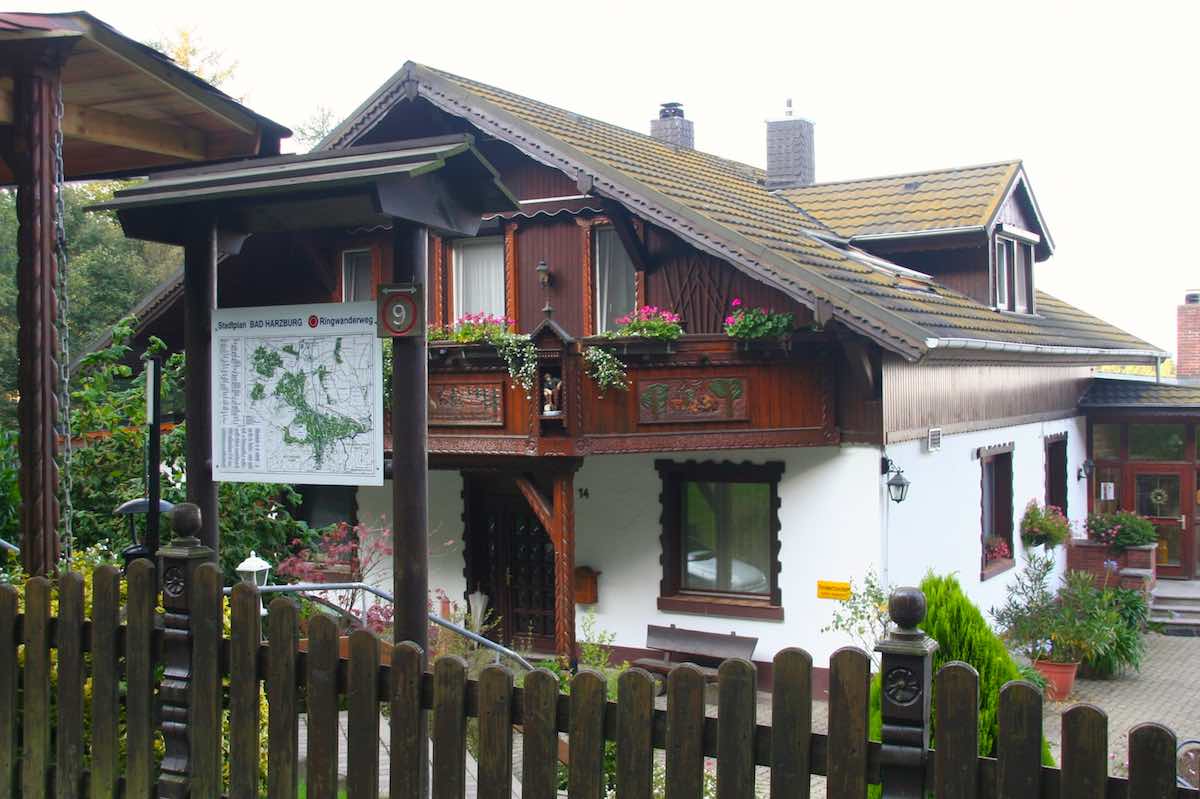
{"x":298,"y":395}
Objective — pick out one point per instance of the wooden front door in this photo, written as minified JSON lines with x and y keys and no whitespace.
{"x":1161,"y":493}
{"x":521,"y":559}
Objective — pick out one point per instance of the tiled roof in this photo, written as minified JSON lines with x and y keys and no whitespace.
{"x":1123,"y":393}
{"x":940,"y":200}
{"x":724,"y":207}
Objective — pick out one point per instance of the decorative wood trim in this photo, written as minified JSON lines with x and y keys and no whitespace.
{"x":673,"y":474}
{"x":589,"y":291}
{"x":510,"y":271}
{"x":540,"y":507}
{"x":732,"y":607}
{"x":437,"y":317}
{"x":995,"y":449}
{"x":564,"y":566}
{"x":448,"y":268}
{"x":1050,"y":439}
{"x":623,"y":443}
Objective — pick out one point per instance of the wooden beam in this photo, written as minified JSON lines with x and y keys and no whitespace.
{"x":540,"y":507}
{"x":623,"y":225}
{"x":122,"y":130}
{"x":199,"y":298}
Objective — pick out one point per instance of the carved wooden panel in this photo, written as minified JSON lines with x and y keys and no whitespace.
{"x":702,"y":399}
{"x":467,"y":404}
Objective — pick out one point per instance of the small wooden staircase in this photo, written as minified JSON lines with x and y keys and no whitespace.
{"x":1175,"y":605}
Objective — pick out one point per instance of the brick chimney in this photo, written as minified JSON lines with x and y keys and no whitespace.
{"x":790,"y":152}
{"x":1187,"y":361}
{"x":671,"y":126}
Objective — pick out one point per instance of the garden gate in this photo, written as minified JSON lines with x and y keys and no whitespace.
{"x":53,"y":741}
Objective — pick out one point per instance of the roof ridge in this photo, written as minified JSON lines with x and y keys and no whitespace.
{"x":452,"y":76}
{"x":897,"y":176}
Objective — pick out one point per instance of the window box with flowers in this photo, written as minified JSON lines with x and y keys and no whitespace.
{"x":484,"y":337}
{"x":758,"y":329}
{"x":1045,"y":527}
{"x":649,"y":330}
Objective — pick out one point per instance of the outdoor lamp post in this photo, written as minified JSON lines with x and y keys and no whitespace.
{"x":897,"y":484}
{"x":253,"y":571}
{"x":139,"y":548}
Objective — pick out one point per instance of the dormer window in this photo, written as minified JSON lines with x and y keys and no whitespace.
{"x":1013,"y":286}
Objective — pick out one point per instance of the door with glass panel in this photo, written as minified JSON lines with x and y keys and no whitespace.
{"x":1160,"y":492}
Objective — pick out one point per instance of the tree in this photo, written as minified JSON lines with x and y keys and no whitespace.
{"x":316,"y":127}
{"x":188,"y":50}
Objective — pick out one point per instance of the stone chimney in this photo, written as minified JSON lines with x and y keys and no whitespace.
{"x":790,"y":152}
{"x":671,"y":127}
{"x":1187,"y":360}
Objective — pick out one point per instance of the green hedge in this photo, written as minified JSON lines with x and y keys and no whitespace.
{"x":963,"y":634}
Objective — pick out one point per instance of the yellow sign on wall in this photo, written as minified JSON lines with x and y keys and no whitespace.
{"x":831,"y":589}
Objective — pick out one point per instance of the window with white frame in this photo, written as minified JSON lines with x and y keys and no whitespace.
{"x":615,"y":279}
{"x":478,"y":266}
{"x":357,"y":276}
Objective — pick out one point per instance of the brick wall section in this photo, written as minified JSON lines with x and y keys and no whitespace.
{"x":1187,"y":362}
{"x":1089,"y":557}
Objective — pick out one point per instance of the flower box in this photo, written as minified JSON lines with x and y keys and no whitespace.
{"x":635,"y":346}
{"x":1135,"y":567}
{"x":479,"y":353}
{"x":773,"y":345}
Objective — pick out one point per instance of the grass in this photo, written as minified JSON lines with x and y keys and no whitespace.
{"x":304,"y":792}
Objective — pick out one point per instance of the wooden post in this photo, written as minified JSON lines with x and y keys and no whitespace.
{"x":30,"y":154}
{"x":199,"y":298}
{"x":178,"y":563}
{"x":564,"y":567}
{"x":410,"y":472}
{"x":907,"y":669}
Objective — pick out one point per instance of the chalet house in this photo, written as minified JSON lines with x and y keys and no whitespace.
{"x":730,"y":477}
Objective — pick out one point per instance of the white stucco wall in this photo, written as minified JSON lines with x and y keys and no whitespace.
{"x":938,"y":525}
{"x":829,"y":517}
{"x":445,"y":530}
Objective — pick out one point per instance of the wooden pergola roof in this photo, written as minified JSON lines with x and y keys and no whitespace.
{"x":129,"y":109}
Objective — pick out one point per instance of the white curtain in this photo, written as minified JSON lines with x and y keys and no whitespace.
{"x":356,"y":275}
{"x":479,"y":276}
{"x":615,"y":291}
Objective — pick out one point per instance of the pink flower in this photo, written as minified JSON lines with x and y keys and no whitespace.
{"x":729,"y":320}
{"x":737,"y":303}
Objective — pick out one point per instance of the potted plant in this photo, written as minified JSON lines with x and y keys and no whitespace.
{"x":515,"y":350}
{"x":1056,"y":631}
{"x":646,"y":330}
{"x":996,"y":548}
{"x":1045,"y":527}
{"x":1121,"y":530}
{"x":755,"y":327}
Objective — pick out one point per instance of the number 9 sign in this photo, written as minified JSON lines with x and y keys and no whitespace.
{"x":400,"y":311}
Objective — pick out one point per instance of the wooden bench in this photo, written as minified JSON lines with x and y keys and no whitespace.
{"x":701,"y":649}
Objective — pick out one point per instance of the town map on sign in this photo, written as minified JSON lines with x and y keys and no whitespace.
{"x":297,"y":395}
{"x":314,"y":397}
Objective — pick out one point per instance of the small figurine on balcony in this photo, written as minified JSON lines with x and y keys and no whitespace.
{"x":551,"y":395}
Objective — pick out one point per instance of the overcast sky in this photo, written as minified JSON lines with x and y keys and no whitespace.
{"x":1099,"y":99}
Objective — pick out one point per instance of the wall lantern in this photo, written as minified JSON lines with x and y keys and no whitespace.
{"x":543,"y":274}
{"x":1085,"y":469}
{"x":253,"y":571}
{"x":897,"y":484}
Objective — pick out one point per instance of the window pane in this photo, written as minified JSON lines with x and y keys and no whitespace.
{"x":1002,"y":264}
{"x":1021,"y":278}
{"x":479,"y":277}
{"x":989,"y":499}
{"x":1157,"y":495}
{"x":726,"y":537}
{"x":1156,"y":442}
{"x":1106,"y":442}
{"x":615,"y":289}
{"x":1107,"y":481}
{"x":356,"y":276}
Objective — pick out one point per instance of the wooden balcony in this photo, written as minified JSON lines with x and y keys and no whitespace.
{"x":701,"y":392}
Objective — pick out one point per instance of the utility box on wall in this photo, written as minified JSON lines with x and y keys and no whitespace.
{"x":586,"y":588}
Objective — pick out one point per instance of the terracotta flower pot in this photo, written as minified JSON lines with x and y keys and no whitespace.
{"x":1060,"y":678}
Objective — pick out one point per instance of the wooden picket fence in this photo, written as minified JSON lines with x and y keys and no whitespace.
{"x":42,"y":716}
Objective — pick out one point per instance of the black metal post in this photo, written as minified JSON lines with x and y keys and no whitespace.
{"x":153,"y":450}
{"x":907,"y":669}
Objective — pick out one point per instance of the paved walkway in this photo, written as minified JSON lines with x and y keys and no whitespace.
{"x":1167,"y":690}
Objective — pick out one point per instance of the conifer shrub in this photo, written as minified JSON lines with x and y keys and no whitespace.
{"x":963,"y":634}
